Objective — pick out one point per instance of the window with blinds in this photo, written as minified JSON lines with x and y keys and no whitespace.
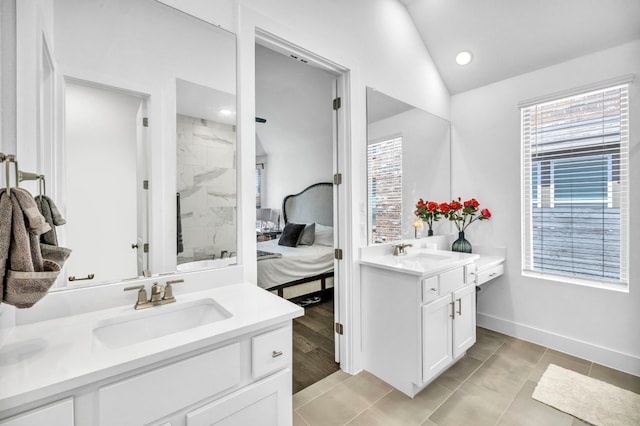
{"x":384,"y":171}
{"x":575,"y":187}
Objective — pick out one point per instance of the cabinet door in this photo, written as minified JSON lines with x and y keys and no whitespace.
{"x":265,"y":403}
{"x":437,"y":337}
{"x":464,"y":322}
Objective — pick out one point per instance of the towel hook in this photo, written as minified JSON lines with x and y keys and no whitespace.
{"x":42,"y":189}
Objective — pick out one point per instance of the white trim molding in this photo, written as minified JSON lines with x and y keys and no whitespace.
{"x":589,"y":351}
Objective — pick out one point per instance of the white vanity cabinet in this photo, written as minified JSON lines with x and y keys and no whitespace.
{"x":245,"y":380}
{"x":218,"y":387}
{"x":416,"y":325}
{"x":232,"y":370}
{"x":448,"y":330}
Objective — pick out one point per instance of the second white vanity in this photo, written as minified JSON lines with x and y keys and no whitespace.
{"x":419,"y":314}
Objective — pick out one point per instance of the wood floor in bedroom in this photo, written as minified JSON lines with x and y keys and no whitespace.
{"x":313,"y":345}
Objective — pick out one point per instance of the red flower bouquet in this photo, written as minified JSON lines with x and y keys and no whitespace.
{"x":465,"y":213}
{"x":428,"y":212}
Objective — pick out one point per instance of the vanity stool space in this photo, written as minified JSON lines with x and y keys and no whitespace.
{"x":419,"y":315}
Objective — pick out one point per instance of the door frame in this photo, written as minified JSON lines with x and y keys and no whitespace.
{"x":341,"y":160}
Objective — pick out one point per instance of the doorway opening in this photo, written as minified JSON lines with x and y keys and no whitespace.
{"x":297,"y":144}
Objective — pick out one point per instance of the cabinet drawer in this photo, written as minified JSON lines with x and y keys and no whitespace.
{"x":153,"y":395}
{"x":430,"y":289}
{"x":490,"y":274}
{"x":452,"y":280}
{"x":271,"y":351}
{"x":57,"y":414}
{"x":470,"y":273}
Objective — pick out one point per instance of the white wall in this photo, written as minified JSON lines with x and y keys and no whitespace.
{"x":593,"y":323}
{"x":295,"y":99}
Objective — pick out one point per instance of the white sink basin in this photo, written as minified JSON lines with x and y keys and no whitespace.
{"x":424,"y":260}
{"x":420,"y":261}
{"x":159,"y":321}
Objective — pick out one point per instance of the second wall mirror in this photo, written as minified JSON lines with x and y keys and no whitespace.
{"x":408,"y":158}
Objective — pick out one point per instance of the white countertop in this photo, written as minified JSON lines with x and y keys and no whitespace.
{"x":48,"y":357}
{"x":486,"y":262}
{"x":421,"y":261}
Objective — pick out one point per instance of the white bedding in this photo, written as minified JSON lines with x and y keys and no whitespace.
{"x":296,"y":263}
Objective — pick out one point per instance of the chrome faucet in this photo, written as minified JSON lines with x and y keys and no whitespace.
{"x":398,"y":249}
{"x":160,"y":295}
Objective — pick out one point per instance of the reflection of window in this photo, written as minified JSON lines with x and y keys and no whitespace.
{"x":575,"y":193}
{"x":384,"y":163}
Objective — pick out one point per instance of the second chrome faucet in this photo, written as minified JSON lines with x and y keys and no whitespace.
{"x":160,"y":295}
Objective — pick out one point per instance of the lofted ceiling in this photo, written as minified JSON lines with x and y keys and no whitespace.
{"x":513,"y":37}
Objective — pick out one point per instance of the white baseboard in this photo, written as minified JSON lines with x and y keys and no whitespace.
{"x":598,"y":354}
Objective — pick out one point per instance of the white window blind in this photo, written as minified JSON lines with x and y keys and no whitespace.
{"x":384,"y":164}
{"x":575,"y":187}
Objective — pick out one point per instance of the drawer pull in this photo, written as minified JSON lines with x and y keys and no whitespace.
{"x":453,"y":310}
{"x":276,"y":354}
{"x":460,"y":306}
{"x":493,"y":274}
{"x":434,"y":289}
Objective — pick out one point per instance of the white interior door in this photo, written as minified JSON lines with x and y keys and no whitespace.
{"x":142,"y":189}
{"x":100,"y":148}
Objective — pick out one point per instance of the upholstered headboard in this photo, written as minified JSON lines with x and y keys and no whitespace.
{"x":312,"y":204}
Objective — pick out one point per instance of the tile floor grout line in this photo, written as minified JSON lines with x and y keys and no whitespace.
{"x":546,"y":349}
{"x":322,"y":393}
{"x":463,"y":382}
{"x":303,"y":419}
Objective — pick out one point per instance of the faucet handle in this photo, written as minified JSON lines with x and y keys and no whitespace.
{"x":142,"y":293}
{"x":168,"y":289}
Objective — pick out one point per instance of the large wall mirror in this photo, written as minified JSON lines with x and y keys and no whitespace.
{"x":408,"y":158}
{"x":144,"y":150}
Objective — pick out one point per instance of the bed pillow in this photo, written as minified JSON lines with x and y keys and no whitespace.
{"x":324,"y":235}
{"x":291,"y":234}
{"x":308,"y":236}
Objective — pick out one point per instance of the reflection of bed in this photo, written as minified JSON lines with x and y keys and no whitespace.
{"x":305,"y":268}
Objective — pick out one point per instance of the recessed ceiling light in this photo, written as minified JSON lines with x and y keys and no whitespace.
{"x":225,"y":112}
{"x":463,"y":58}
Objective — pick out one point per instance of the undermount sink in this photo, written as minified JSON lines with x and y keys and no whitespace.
{"x":427,"y":257}
{"x":140,"y":326}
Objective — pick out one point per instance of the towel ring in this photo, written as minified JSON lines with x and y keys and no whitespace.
{"x":7,"y":159}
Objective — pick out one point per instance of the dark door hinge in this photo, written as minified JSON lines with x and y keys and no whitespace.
{"x":145,"y":121}
{"x":337,"y":179}
{"x":145,"y":248}
{"x":145,"y":184}
{"x":337,"y":103}
{"x":338,"y":254}
{"x":339,"y":328}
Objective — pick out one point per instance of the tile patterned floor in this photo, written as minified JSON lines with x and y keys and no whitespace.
{"x":491,"y":385}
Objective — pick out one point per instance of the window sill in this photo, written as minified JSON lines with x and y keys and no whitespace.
{"x":621,"y":287}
